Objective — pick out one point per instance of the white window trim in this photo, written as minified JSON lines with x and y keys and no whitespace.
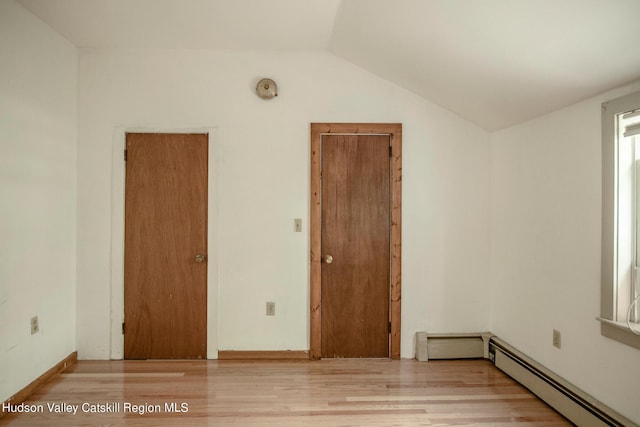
{"x":612,"y":325}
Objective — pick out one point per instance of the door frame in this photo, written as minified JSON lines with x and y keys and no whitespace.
{"x":116,"y":344}
{"x":394,"y":130}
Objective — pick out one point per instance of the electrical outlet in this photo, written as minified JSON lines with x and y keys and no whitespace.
{"x":35,"y":326}
{"x":271,"y":309}
{"x":557,"y":339}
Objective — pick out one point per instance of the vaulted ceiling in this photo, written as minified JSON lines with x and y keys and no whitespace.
{"x":493,"y":62}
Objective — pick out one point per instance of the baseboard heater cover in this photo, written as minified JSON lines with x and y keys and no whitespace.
{"x":430,"y":346}
{"x":577,"y":406}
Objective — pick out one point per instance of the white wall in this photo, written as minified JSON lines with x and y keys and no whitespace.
{"x":545,"y":263}
{"x":38,"y":135}
{"x":263,"y":181}
{"x":545,"y":204}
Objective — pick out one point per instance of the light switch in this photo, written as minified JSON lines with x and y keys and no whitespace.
{"x":298,"y":225}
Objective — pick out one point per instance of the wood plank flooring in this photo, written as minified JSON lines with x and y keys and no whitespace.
{"x":343,"y":392}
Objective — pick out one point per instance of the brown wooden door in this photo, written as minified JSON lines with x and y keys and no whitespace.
{"x":356,"y":234}
{"x":165,"y":288}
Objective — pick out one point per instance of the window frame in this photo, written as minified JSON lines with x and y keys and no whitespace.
{"x":611,"y":325}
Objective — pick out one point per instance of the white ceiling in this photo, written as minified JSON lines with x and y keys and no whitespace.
{"x":197,"y":24}
{"x":493,"y":62}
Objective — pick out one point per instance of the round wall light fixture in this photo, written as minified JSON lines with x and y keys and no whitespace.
{"x":267,"y":89}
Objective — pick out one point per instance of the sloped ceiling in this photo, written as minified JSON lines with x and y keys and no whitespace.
{"x":493,"y":62}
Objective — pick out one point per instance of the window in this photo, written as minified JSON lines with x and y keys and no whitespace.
{"x":620,"y":311}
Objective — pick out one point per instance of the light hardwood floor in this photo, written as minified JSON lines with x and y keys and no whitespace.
{"x":342,"y":392}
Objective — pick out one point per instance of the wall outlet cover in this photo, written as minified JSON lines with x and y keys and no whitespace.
{"x":271,"y":309}
{"x":35,"y":325}
{"x":557,"y":339}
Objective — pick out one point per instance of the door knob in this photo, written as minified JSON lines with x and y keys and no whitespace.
{"x":200,"y":258}
{"x":328,"y":259}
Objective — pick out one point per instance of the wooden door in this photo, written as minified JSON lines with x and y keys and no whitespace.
{"x":165,"y":286}
{"x":356,"y":236}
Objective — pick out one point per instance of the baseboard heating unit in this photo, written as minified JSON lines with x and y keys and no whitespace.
{"x":577,"y":406}
{"x":452,"y":346}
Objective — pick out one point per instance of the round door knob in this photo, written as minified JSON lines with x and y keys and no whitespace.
{"x":200,"y":258}
{"x":328,"y":259}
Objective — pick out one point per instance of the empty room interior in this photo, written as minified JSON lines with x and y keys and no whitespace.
{"x":413,"y":194}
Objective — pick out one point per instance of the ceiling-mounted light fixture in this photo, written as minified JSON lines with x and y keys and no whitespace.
{"x":267,"y":89}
